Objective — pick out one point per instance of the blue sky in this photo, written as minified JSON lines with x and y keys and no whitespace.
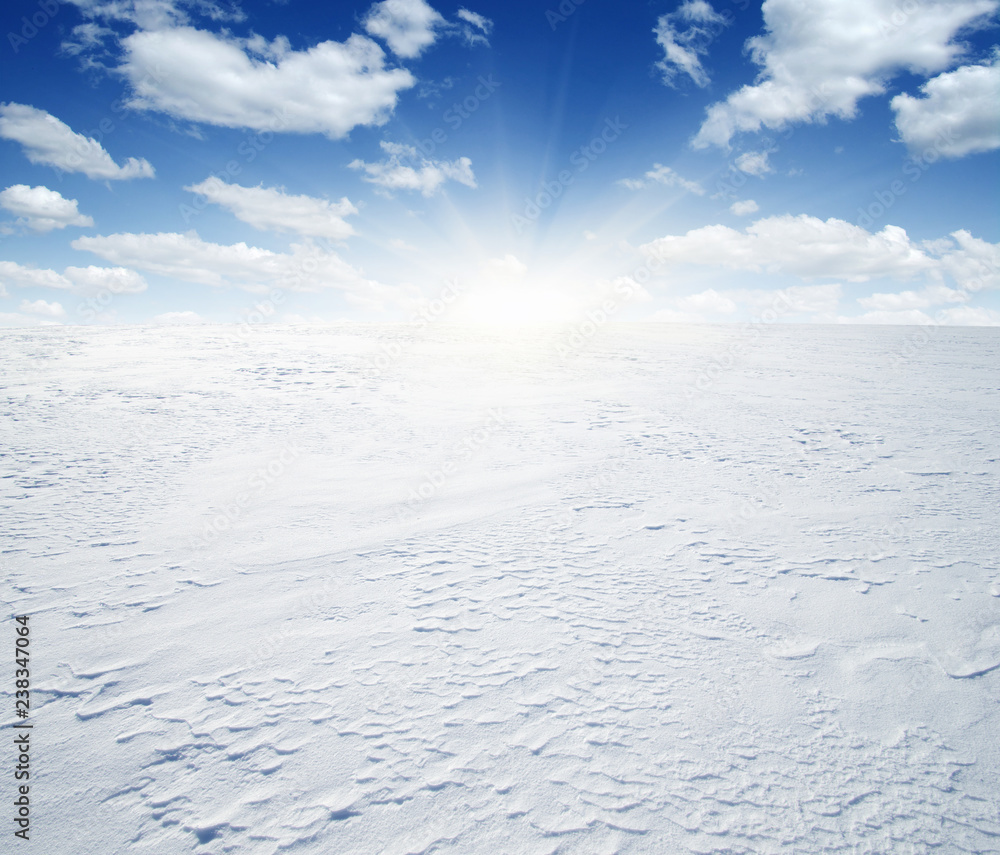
{"x":829,"y":161}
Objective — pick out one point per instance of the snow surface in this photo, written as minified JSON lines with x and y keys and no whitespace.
{"x":667,"y":589}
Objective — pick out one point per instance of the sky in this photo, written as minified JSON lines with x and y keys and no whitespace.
{"x":195,"y":161}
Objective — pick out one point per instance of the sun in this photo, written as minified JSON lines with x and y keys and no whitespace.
{"x":515,"y":305}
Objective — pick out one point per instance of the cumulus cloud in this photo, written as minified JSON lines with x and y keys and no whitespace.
{"x":816,"y":249}
{"x":271,"y":208}
{"x":744,"y":207}
{"x":396,"y":173}
{"x":93,"y":280}
{"x":188,"y":257}
{"x":660,"y":174}
{"x":969,"y":260}
{"x":407,"y":26}
{"x":957,"y":316}
{"x":81,"y":280}
{"x":959,"y":112}
{"x":42,"y":308}
{"x":754,"y":163}
{"x":970,"y":316}
{"x":50,"y":142}
{"x":801,"y":245}
{"x":202,"y":77}
{"x":684,"y":36}
{"x":932,"y":295}
{"x":819,"y":59}
{"x":42,"y":209}
{"x":20,"y":276}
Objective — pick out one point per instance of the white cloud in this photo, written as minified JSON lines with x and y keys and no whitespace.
{"x":754,"y":162}
{"x":42,"y":209}
{"x":975,"y":264}
{"x":271,"y":208}
{"x":156,"y":14}
{"x":86,"y":38}
{"x":394,"y":173}
{"x":12,"y":273}
{"x":82,"y":280}
{"x":179,"y":319}
{"x":959,"y":113}
{"x":904,"y":300}
{"x":744,"y":207}
{"x":48,"y":141}
{"x":201,"y":77}
{"x":970,"y":316}
{"x":188,"y":257}
{"x":407,"y":26}
{"x":473,"y":21}
{"x":660,"y":174}
{"x":909,"y":317}
{"x":684,"y":46}
{"x":801,"y":245}
{"x":117,"y":280}
{"x":819,"y":59}
{"x":710,"y":301}
{"x":815,"y":249}
{"x":958,"y":316}
{"x":42,"y":308}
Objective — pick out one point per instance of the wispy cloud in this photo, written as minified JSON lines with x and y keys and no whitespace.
{"x":664,"y":176}
{"x":48,"y":141}
{"x":270,"y":208}
{"x":427,"y":176}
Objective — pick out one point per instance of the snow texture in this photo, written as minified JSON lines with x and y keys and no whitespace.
{"x":656,"y":589}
